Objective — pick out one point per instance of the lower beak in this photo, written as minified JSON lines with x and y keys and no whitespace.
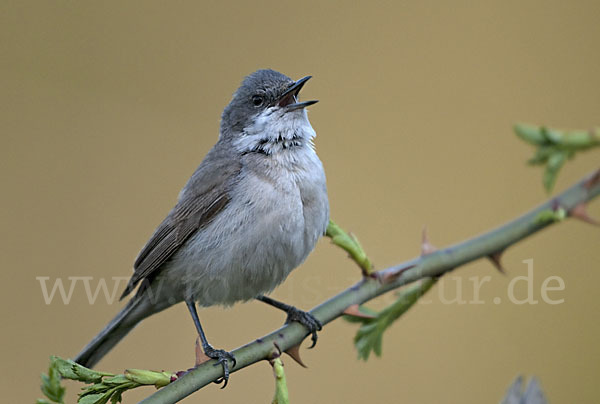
{"x":299,"y":105}
{"x":289,"y":99}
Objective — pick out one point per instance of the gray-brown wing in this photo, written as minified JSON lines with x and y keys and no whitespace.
{"x":205,"y":195}
{"x":169,"y":236}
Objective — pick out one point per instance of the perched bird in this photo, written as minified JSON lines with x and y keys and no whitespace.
{"x":251,"y":213}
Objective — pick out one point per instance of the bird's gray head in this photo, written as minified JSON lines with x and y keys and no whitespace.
{"x":264,"y":114}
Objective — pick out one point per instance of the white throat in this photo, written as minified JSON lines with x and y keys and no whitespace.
{"x":275,"y":130}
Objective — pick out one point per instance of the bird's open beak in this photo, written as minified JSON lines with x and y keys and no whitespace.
{"x":289,"y":99}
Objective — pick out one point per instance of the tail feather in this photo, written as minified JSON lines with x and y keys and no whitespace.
{"x":118,"y":328}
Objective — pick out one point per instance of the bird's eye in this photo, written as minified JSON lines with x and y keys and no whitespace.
{"x":257,"y":100}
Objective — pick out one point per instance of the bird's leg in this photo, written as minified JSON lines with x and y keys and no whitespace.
{"x":294,"y":314}
{"x":220,"y":355}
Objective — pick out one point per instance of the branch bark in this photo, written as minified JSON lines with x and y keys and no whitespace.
{"x":432,"y":265}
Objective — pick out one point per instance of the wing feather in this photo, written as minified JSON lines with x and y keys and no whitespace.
{"x":205,"y":195}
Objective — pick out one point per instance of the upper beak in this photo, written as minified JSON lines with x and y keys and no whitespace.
{"x":289,"y":99}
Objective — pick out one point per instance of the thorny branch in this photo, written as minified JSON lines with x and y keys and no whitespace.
{"x":432,"y":264}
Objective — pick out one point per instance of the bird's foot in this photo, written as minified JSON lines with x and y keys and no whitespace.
{"x":307,"y":320}
{"x":223,"y":357}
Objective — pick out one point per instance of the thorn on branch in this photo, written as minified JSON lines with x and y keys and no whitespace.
{"x":580,"y":212}
{"x":426,"y":246}
{"x":393,"y":273}
{"x":495,"y":259}
{"x":593,"y":180}
{"x":354,"y":311}
{"x":201,"y":357}
{"x":294,"y":353}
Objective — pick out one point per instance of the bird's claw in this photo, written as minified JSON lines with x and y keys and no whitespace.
{"x":223,"y":357}
{"x":307,"y":320}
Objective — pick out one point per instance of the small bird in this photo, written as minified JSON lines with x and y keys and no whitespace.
{"x":251,"y":213}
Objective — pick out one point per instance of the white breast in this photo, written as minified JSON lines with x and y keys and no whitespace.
{"x":277,"y":212}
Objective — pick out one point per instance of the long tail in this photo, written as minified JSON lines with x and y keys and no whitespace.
{"x":119,"y":327}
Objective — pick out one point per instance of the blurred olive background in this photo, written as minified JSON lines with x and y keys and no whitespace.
{"x":108,"y":107}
